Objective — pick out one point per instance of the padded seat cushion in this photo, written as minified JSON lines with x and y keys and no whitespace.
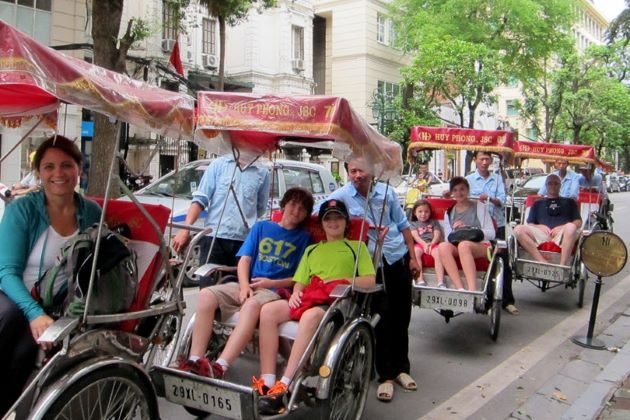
{"x":549,"y":247}
{"x":286,"y":329}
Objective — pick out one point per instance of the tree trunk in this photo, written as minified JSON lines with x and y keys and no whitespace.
{"x":106,"y":17}
{"x":469,"y":155}
{"x":220,"y":86}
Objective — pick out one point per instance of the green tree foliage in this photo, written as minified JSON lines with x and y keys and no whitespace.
{"x":544,"y":95}
{"x":619,"y":29}
{"x":463,"y":49}
{"x":596,"y":103}
{"x":231,"y":12}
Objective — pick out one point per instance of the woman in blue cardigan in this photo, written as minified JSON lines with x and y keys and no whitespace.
{"x":32,"y":232}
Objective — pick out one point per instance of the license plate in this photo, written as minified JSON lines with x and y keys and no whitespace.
{"x":543,"y":272}
{"x":202,"y":396}
{"x":442,"y":299}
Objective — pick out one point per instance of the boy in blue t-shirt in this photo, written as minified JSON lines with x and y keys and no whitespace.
{"x":268,"y":258}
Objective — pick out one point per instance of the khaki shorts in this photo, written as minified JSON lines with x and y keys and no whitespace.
{"x":541,"y":237}
{"x":228,"y":297}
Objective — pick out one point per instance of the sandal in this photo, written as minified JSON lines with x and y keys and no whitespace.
{"x":406,"y":381}
{"x":385,"y":392}
{"x":512,"y":309}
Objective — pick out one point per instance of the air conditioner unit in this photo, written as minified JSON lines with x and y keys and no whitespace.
{"x":167,"y":45}
{"x":210,"y":61}
{"x":297,"y":64}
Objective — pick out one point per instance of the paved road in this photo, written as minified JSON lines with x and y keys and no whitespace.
{"x":462,"y":373}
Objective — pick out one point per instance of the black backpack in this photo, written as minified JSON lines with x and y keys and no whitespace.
{"x":115,"y":279}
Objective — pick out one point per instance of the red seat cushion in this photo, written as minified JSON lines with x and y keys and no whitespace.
{"x":119,"y":212}
{"x":317,"y":232}
{"x":549,"y":247}
{"x":531,"y":199}
{"x":553,"y":247}
{"x":589,"y":197}
{"x":439,"y":206}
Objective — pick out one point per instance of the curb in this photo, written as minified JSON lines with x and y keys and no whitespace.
{"x":594,"y":400}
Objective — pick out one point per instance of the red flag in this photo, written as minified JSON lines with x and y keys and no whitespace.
{"x":176,"y":60}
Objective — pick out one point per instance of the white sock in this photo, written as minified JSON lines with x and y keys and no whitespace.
{"x":194,"y":358}
{"x":286,"y":381}
{"x":269,"y":379}
{"x":224,"y":364}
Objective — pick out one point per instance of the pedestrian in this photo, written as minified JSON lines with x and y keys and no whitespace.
{"x":30,"y":182}
{"x":247,"y":196}
{"x":395,"y":273}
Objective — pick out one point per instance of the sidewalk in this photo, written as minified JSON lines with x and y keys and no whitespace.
{"x":594,"y":385}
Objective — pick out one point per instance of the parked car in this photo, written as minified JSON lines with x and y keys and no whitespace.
{"x":531,"y":186}
{"x":624,"y":180}
{"x":174,"y":190}
{"x":512,"y":177}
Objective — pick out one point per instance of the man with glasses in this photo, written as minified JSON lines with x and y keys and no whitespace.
{"x":552,"y":218}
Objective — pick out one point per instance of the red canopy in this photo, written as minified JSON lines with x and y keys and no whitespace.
{"x":258,"y":122}
{"x":493,"y":141}
{"x":34,"y":78}
{"x":605,"y":165}
{"x":573,"y":153}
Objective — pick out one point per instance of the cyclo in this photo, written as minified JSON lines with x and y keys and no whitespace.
{"x":334,"y":372}
{"x":551,"y":274}
{"x":450,"y":302}
{"x":99,"y":362}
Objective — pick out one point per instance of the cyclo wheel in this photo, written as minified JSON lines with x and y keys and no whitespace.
{"x":351,"y":377}
{"x":163,"y":351}
{"x":496,"y":296}
{"x":113,"y":392}
{"x":495,"y":319}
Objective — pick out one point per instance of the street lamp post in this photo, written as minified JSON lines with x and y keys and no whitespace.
{"x":382,"y":109}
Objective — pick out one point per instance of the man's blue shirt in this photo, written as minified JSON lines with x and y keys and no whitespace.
{"x":394,"y":246}
{"x":494,"y":187}
{"x":595,"y":182}
{"x":252,"y":190}
{"x":569,"y":186}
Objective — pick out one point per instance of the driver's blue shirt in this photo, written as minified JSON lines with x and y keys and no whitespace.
{"x":252,"y":192}
{"x":394,"y":245}
{"x":569,"y":186}
{"x":595,"y":182}
{"x":494,"y":187}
